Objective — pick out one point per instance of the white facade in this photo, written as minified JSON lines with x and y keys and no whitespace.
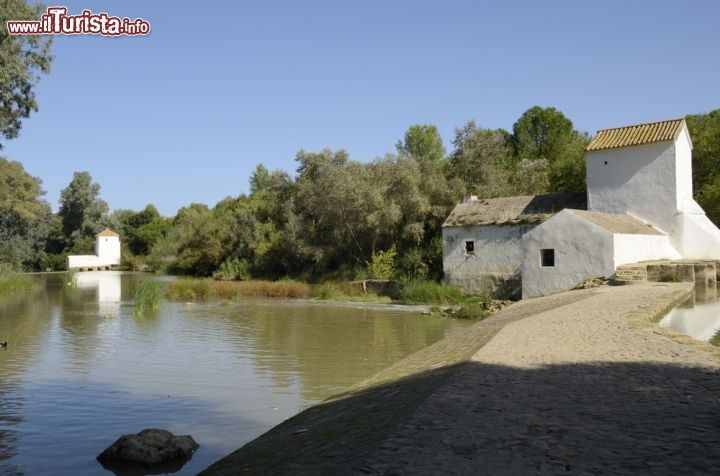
{"x":582,"y":249}
{"x":640,"y":207}
{"x":654,"y":183}
{"x":495,"y":258}
{"x":107,"y":253}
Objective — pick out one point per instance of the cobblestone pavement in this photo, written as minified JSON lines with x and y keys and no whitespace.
{"x":557,"y":385}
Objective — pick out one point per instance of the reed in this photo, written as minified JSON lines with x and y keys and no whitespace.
{"x":198,"y":289}
{"x":429,"y":292}
{"x":148,"y":295}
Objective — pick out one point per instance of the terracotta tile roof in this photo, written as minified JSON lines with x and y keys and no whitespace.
{"x":636,"y":135}
{"x":617,"y":223}
{"x":513,"y":210}
{"x":107,"y":232}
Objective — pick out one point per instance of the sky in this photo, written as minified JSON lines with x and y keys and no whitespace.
{"x":184,"y":114}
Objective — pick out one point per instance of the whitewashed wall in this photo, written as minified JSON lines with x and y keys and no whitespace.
{"x":108,"y":249}
{"x":634,"y":248}
{"x":497,"y":256}
{"x":582,"y":251}
{"x":83,"y":261}
{"x":639,"y":180}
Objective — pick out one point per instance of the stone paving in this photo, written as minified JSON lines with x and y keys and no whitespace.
{"x":575,"y":383}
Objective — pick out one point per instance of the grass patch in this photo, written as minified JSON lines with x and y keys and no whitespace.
{"x":331,"y":291}
{"x":476,"y":310}
{"x":669,"y":276}
{"x":148,"y":294}
{"x":430,"y":292}
{"x":198,"y":289}
{"x":14,"y":283}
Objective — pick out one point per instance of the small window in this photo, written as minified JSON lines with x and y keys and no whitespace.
{"x":547,"y":258}
{"x":470,"y":247}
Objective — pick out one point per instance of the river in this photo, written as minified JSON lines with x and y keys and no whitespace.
{"x":80,"y":369}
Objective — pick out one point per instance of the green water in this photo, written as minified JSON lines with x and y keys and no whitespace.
{"x":80,"y":369}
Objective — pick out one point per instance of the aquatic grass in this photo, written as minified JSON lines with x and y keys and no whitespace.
{"x":148,"y":295}
{"x":334,"y":291}
{"x":189,"y":289}
{"x":476,"y":310}
{"x":430,"y":292}
{"x":198,"y":289}
{"x":14,"y":283}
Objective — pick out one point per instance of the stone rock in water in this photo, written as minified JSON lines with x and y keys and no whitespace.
{"x":150,"y":447}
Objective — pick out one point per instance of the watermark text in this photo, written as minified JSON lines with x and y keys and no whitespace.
{"x":57,"y":22}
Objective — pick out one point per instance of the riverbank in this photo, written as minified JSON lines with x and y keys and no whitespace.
{"x":579,"y":382}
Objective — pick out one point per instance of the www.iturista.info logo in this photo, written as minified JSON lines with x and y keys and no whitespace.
{"x":57,"y":22}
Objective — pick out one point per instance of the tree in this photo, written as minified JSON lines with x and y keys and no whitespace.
{"x":25,"y":218}
{"x":705,"y":133}
{"x":22,"y":59}
{"x":542,"y":133}
{"x":423,"y":143}
{"x":480,"y":159}
{"x":82,"y":212}
{"x":548,"y":143}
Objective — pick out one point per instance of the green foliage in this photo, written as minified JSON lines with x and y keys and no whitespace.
{"x":82,"y":213}
{"x":25,"y":218}
{"x":22,"y":60}
{"x":474,"y":310}
{"x":429,"y":292}
{"x":382,"y":264}
{"x":542,"y":133}
{"x":344,"y":291}
{"x":189,"y":289}
{"x":53,"y":262}
{"x":12,"y":283}
{"x":669,"y":276}
{"x":147,"y":296}
{"x":708,"y":197}
{"x":705,"y":133}
{"x":233,"y":269}
{"x":199,"y":289}
{"x":423,"y":143}
{"x":480,"y":159}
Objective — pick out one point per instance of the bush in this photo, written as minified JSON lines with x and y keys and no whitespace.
{"x":472,"y":311}
{"x":148,"y":294}
{"x":429,"y":292}
{"x":382,"y":264}
{"x":53,"y":262}
{"x":233,"y":269}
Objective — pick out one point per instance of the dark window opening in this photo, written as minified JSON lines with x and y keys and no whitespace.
{"x":470,"y":247}
{"x":547,"y":258}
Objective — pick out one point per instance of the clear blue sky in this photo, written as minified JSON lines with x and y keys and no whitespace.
{"x":185,"y":114}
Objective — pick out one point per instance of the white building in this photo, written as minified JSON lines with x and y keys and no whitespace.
{"x":639,"y":207}
{"x":107,"y":253}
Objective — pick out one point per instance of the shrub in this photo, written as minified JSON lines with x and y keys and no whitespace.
{"x":382,"y":264}
{"x":148,"y":294}
{"x":233,"y":269}
{"x":472,"y":311}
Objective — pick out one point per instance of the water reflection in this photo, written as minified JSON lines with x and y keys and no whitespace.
{"x":107,"y":288}
{"x":80,"y":369}
{"x":698,"y":316}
